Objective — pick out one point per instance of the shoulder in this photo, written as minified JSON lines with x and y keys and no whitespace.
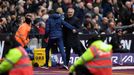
{"x":76,"y":18}
{"x":14,"y":51}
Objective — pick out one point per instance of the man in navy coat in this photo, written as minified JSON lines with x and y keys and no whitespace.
{"x":54,"y":27}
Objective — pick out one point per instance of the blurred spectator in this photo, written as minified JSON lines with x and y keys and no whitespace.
{"x":14,"y":24}
{"x":107,"y":7}
{"x":57,"y":4}
{"x":88,"y":29}
{"x":21,"y":2}
{"x":80,"y":12}
{"x":39,"y":16}
{"x":67,"y":4}
{"x":111,"y":27}
{"x":110,"y":16}
{"x":116,"y":8}
{"x":22,"y":33}
{"x":88,"y":18}
{"x":96,"y":26}
{"x":34,"y":29}
{"x":77,"y":2}
{"x":119,"y":23}
{"x":41,"y":11}
{"x":12,"y":9}
{"x":97,"y":3}
{"x":96,"y":11}
{"x":3,"y":25}
{"x":20,"y":10}
{"x":89,"y":1}
{"x":132,"y":1}
{"x":89,"y":9}
{"x":127,"y":14}
{"x":115,"y":41}
{"x":29,"y":6}
{"x":41,"y":29}
{"x":124,"y":1}
{"x":104,"y":24}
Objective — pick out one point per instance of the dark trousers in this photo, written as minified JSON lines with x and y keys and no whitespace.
{"x":81,"y":70}
{"x":59,"y":42}
{"x":75,"y":45}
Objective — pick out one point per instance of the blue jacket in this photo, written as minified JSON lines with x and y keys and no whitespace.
{"x":54,"y":26}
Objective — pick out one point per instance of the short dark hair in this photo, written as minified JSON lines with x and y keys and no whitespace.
{"x":28,"y":20}
{"x":10,"y":42}
{"x":1,"y":20}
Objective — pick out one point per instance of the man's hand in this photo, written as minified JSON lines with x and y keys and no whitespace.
{"x":74,"y":31}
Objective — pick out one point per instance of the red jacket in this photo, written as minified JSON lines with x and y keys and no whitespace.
{"x":23,"y":66}
{"x":101,"y":58}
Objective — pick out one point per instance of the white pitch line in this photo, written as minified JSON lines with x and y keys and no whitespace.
{"x":122,"y":67}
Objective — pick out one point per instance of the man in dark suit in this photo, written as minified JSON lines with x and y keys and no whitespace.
{"x":71,"y":40}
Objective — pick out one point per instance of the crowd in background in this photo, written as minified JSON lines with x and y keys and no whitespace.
{"x":86,"y":17}
{"x":95,"y":16}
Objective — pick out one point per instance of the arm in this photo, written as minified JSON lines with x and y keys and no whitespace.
{"x":47,"y":29}
{"x":67,"y":25}
{"x":26,"y":34}
{"x":47,"y":26}
{"x":11,"y":58}
{"x":87,"y":56}
{"x":22,"y":34}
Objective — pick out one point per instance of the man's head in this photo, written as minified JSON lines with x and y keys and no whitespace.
{"x":59,"y":10}
{"x":128,"y":4}
{"x":70,"y":12}
{"x":111,"y":24}
{"x":28,"y":18}
{"x":89,"y":5}
{"x":105,"y":20}
{"x":96,"y":10}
